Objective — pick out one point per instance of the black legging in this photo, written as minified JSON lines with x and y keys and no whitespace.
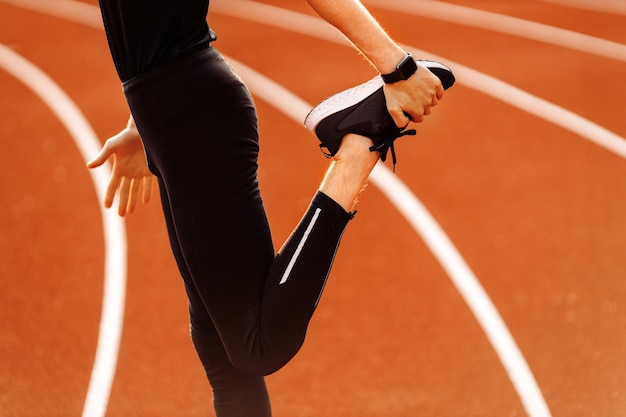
{"x":249,"y":308}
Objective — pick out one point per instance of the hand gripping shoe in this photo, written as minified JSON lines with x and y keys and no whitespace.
{"x":363,"y":110}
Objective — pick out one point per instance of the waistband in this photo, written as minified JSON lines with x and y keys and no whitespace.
{"x":202,"y":52}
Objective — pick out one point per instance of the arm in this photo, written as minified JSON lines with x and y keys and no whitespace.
{"x":414,"y":96}
{"x":130,"y":173}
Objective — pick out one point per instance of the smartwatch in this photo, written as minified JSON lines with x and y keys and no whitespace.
{"x":404,"y":70}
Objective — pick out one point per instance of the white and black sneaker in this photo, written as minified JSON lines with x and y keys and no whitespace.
{"x":363,"y":110}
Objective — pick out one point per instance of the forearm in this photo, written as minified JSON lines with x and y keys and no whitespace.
{"x":358,"y":25}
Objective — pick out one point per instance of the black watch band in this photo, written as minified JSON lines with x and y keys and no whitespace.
{"x":404,"y":70}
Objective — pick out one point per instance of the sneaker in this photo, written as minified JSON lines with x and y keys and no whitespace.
{"x":363,"y":110}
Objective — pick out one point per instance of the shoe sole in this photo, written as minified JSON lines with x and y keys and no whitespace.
{"x":354,"y":95}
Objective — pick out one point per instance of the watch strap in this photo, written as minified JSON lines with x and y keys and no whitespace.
{"x":403,"y":71}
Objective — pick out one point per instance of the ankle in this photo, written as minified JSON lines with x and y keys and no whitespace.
{"x":356,"y":148}
{"x":349,"y":171}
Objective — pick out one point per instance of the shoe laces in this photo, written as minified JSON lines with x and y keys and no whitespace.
{"x":388,"y":145}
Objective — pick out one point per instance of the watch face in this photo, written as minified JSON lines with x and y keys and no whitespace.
{"x":407,"y":67}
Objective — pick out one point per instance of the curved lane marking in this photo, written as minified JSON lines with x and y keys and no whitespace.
{"x":568,"y":120}
{"x":515,"y":26}
{"x":606,"y":6}
{"x":111,"y":320}
{"x":75,"y":11}
{"x":271,"y":15}
{"x":483,"y":83}
{"x":435,"y":238}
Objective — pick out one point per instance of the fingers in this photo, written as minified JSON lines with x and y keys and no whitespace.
{"x":402,"y":117}
{"x":134,"y":194}
{"x":431,"y":97}
{"x":120,"y":186}
{"x":130,"y":178}
{"x":417,"y":112}
{"x":434,"y":101}
{"x":124,"y":196}
{"x":137,"y":185}
{"x":440,"y":92}
{"x":109,"y":196}
{"x":147,"y":189}
{"x":128,"y":191}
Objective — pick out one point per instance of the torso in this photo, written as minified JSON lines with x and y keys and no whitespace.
{"x":144,"y":34}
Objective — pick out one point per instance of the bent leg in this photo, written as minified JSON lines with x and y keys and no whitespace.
{"x":264,"y":337}
{"x":299,"y":272}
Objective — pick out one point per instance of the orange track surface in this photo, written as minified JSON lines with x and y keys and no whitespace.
{"x":538,"y":213}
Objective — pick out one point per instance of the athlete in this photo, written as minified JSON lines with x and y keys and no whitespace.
{"x":193,"y":125}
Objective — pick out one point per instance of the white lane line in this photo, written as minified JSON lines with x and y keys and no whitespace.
{"x":112,"y":314}
{"x":435,"y":238}
{"x":472,"y":79}
{"x":312,"y":26}
{"x":469,"y":287}
{"x":606,"y":6}
{"x":76,"y":11}
{"x":537,"y":107}
{"x":529,"y":393}
{"x":506,"y":24}
{"x":483,"y":83}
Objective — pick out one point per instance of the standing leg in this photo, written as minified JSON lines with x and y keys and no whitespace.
{"x":235,"y":393}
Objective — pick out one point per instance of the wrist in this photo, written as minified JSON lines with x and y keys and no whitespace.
{"x":403,"y":70}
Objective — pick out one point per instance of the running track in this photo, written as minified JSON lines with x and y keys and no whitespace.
{"x":486,"y":278}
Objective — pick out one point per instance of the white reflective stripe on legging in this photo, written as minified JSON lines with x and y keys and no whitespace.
{"x":294,"y":258}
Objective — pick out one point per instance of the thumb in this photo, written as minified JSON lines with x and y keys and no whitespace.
{"x":101,"y":158}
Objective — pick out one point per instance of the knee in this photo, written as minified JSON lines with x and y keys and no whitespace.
{"x":257,"y":365}
{"x":257,"y":360}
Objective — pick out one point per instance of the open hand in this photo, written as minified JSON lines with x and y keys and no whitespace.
{"x":130,"y":175}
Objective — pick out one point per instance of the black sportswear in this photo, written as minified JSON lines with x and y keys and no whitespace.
{"x":249,"y":307}
{"x":144,"y":34}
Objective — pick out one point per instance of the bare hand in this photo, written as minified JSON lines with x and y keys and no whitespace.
{"x":130,"y":174}
{"x":414,"y":98}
